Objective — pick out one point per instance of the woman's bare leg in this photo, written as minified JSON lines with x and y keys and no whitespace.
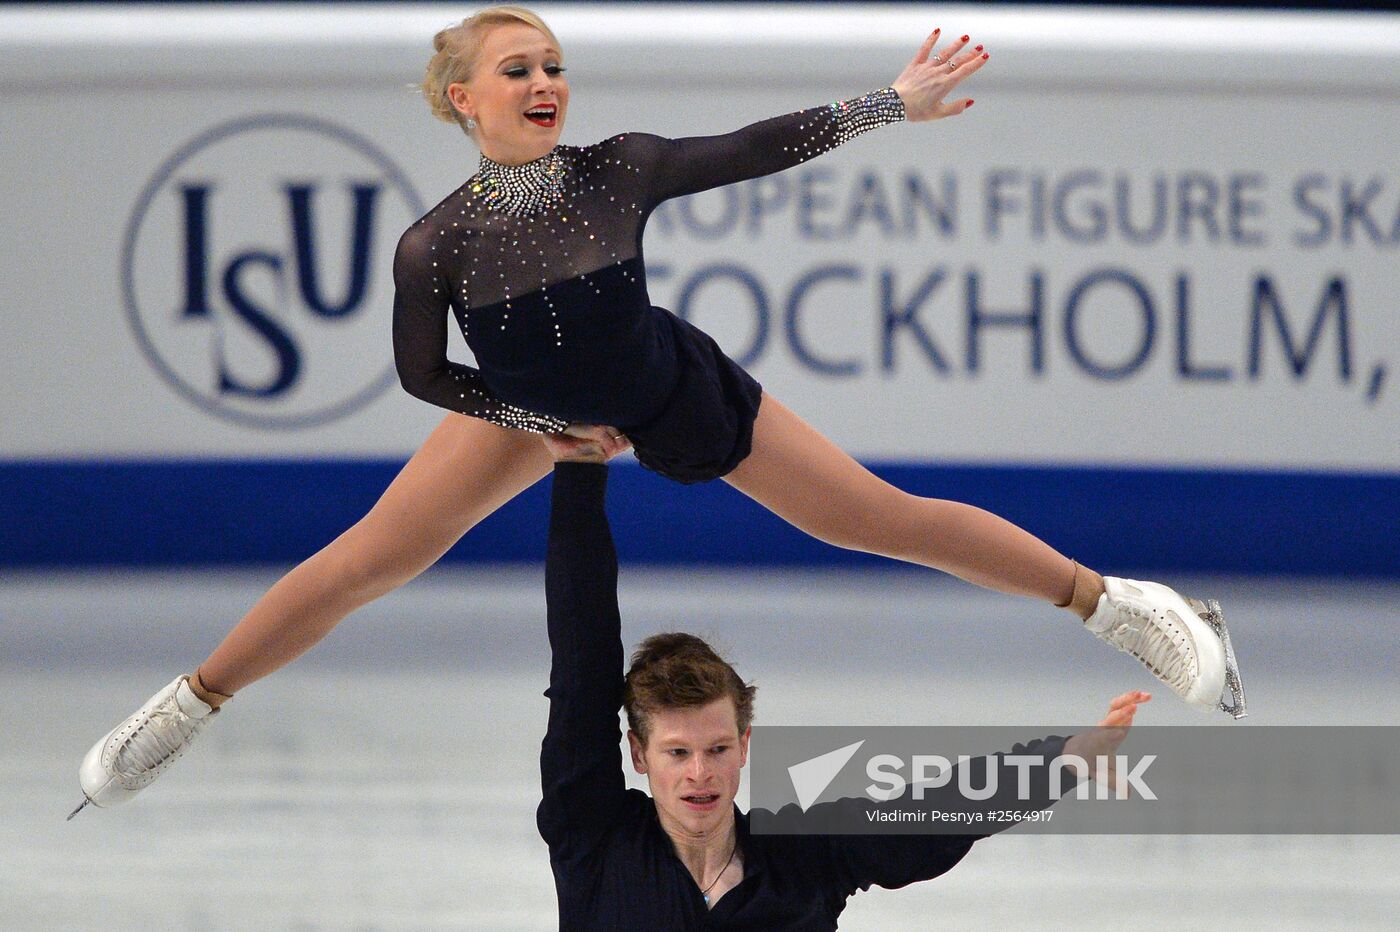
{"x":466,"y":469}
{"x":808,"y":481}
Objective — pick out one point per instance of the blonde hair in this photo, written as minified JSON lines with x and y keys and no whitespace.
{"x":457,"y":50}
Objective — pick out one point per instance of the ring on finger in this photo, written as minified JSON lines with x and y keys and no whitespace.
{"x":938,"y":59}
{"x":952,"y":66}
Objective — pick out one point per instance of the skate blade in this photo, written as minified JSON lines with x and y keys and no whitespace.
{"x":1213,"y":615}
{"x":82,"y":805}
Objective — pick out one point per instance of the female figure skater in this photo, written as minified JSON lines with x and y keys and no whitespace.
{"x":538,"y":256}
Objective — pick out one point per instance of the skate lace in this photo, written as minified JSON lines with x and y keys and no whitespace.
{"x":156,"y":741}
{"x":1157,"y":644}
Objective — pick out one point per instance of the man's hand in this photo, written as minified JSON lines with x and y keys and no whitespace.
{"x":1104,"y":740}
{"x":586,"y":443}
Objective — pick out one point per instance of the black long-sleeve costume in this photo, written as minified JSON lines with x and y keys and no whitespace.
{"x":614,"y":866}
{"x":541,"y":264}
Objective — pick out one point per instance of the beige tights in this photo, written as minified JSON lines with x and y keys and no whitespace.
{"x":468,"y":468}
{"x":808,"y":481}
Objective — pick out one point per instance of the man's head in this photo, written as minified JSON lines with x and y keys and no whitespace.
{"x":689,"y":716}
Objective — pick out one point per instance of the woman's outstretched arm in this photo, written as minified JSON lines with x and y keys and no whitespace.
{"x":465,"y":470}
{"x":676,"y":167}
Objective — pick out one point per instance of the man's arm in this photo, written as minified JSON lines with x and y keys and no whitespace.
{"x":581,"y":759}
{"x":860,"y":861}
{"x":896,"y":860}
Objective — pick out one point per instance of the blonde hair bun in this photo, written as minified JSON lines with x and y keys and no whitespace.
{"x":457,"y":49}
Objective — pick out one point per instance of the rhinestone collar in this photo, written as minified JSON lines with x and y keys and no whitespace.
{"x":522,"y":189}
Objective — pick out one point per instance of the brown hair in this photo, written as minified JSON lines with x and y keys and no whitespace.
{"x":680,"y":671}
{"x":456,"y":50}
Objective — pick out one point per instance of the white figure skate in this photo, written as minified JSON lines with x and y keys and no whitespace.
{"x":143,"y":747}
{"x":1184,"y":643}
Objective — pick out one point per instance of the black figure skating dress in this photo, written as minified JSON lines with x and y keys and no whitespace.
{"x":541,"y":264}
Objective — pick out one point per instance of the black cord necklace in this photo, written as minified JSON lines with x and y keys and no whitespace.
{"x":732,"y":851}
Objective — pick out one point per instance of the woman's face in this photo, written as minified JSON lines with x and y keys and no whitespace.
{"x":518,"y":95}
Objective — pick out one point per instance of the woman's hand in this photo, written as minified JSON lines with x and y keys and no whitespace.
{"x":586,"y":443}
{"x":927,"y":80}
{"x":1104,"y":740}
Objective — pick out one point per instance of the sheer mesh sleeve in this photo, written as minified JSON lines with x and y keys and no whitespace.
{"x":699,"y":163}
{"x":420,"y":343}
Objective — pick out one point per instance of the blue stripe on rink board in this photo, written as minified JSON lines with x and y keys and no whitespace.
{"x":76,"y":514}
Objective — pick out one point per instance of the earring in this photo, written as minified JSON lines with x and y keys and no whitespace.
{"x":471,"y":124}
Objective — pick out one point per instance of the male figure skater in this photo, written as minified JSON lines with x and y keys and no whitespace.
{"x":683,"y":857}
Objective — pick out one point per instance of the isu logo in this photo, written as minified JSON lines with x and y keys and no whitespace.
{"x":256,"y":270}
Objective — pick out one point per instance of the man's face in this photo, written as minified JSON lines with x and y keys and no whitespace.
{"x":692,"y":760}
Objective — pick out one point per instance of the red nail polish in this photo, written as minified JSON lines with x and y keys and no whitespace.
{"x":969,"y":104}
{"x":965,"y":38}
{"x":979,"y":48}
{"x":985,"y":56}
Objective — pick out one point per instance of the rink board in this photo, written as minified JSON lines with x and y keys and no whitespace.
{"x":199,"y":514}
{"x":1148,"y":314}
